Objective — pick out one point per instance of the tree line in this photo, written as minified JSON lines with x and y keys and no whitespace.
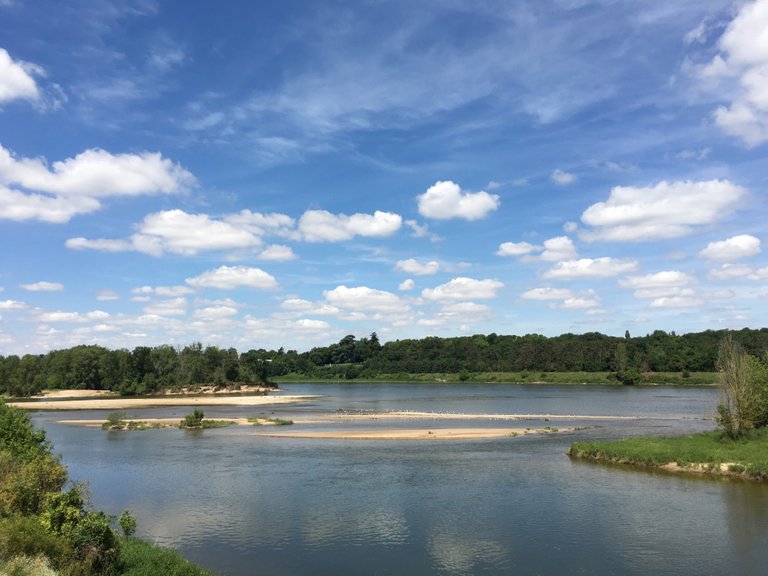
{"x":145,"y":370}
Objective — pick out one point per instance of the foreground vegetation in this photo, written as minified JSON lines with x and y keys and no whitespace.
{"x":712,"y":452}
{"x":594,"y":357}
{"x":140,"y":558}
{"x":47,"y":526}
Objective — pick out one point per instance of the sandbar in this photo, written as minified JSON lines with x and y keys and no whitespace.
{"x":126,"y":403}
{"x":407,"y":414}
{"x":414,"y":434}
{"x":164,"y":421}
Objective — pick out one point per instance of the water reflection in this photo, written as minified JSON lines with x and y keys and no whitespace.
{"x":295,"y":506}
{"x":456,"y":552}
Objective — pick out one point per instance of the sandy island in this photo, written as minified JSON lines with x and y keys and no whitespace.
{"x":165,"y":422}
{"x":431,"y":434}
{"x":126,"y":403}
{"x":414,"y":415}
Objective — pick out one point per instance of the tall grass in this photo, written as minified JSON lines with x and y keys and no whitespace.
{"x":747,"y":455}
{"x":140,"y":558}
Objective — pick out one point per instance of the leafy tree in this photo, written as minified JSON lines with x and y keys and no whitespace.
{"x":738,"y":410}
{"x":19,"y":437}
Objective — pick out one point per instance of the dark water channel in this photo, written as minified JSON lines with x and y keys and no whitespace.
{"x":242,"y":505}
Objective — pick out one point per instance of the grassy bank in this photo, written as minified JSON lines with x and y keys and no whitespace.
{"x":139,"y":558}
{"x":709,"y":452}
{"x":524,"y":377}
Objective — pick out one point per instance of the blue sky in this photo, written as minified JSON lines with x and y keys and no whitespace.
{"x":265,"y":174}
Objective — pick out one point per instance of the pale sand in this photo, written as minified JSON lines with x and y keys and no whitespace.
{"x":129,"y":402}
{"x":452,"y":416}
{"x":433,"y":434}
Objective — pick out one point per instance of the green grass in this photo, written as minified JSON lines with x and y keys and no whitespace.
{"x":216,"y":423}
{"x":526,"y":377}
{"x":275,"y":421}
{"x":747,"y":456}
{"x":280,"y":421}
{"x":139,"y":558}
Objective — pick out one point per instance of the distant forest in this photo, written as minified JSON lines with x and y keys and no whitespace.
{"x":146,"y":370}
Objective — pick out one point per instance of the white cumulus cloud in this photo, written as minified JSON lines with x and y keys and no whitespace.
{"x":107,"y":295}
{"x":558,"y":248}
{"x":554,"y":249}
{"x":274,"y":224}
{"x":215,"y":312}
{"x":17,"y":80}
{"x":182,"y":233}
{"x":73,"y":317}
{"x":298,"y":304}
{"x":322,"y":226}
{"x":515,"y":249}
{"x":462,"y":288}
{"x":682,"y":301}
{"x":563,"y":298}
{"x":666,"y":210}
{"x":169,"y":307}
{"x":406,"y":285}
{"x":734,"y":271}
{"x":308,"y":324}
{"x":364,"y":299}
{"x":77,"y":185}
{"x":412,"y":266}
{"x":743,"y":56}
{"x":445,"y":200}
{"x":734,"y":248}
{"x":231,"y":277}
{"x":578,"y":302}
{"x":658,"y":285}
{"x":43,"y":287}
{"x":562,"y":178}
{"x":590,"y":268}
{"x":547,"y":293}
{"x":277,"y":253}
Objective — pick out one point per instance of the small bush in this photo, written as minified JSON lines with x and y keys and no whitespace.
{"x":127,"y":523}
{"x":26,"y":536}
{"x":193,"y":419}
{"x":114,"y":420}
{"x":280,"y":421}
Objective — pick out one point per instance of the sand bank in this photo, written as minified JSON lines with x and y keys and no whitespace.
{"x":127,"y":403}
{"x":413,"y":434}
{"x":453,"y":416}
{"x":161,"y":421}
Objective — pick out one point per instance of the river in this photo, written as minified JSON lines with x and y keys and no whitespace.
{"x":244,"y":505}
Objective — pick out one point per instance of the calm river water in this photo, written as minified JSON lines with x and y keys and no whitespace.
{"x":242,"y":505}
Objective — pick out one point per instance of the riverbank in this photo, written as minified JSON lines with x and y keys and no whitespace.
{"x":523,"y":377}
{"x":705,"y":453}
{"x":132,"y":402}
